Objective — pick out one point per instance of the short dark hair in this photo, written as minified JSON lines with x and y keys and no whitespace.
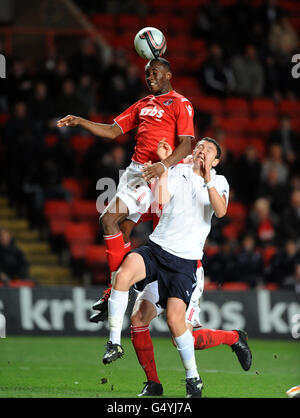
{"x":216,"y":144}
{"x":161,"y":61}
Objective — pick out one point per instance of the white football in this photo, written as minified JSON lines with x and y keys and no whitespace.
{"x":294,"y":392}
{"x":150,"y":43}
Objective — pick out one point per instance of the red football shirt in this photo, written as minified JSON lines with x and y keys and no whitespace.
{"x":166,"y":116}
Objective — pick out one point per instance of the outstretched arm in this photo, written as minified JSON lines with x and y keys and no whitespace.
{"x":103,"y":130}
{"x":181,"y":151}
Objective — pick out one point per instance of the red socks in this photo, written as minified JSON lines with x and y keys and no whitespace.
{"x":114,"y":250}
{"x":207,"y":338}
{"x":142,"y":343}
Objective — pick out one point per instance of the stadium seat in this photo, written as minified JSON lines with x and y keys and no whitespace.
{"x":81,"y":143}
{"x":236,"y":106}
{"x":57,"y":214}
{"x":4,"y":118}
{"x":235,"y":286}
{"x":207,"y":104}
{"x":51,"y":140}
{"x":235,"y":144}
{"x":233,"y":125}
{"x":289,"y":107}
{"x":96,"y":262}
{"x":231,"y":231}
{"x":73,"y":186}
{"x":105,"y":21}
{"x":263,"y":106}
{"x":128,"y":23}
{"x":210,"y":286}
{"x":236,"y":211}
{"x":21,"y":283}
{"x":84,"y":210}
{"x":271,"y":286}
{"x":262,"y":125}
{"x":78,"y":237}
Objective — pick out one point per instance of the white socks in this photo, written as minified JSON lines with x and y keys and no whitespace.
{"x":185,"y":347}
{"x":117,"y":304}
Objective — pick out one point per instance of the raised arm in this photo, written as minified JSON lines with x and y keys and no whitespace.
{"x":102,"y":130}
{"x":180,"y":152}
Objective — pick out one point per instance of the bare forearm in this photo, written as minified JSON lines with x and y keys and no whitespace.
{"x":180,"y":152}
{"x":218,"y":202}
{"x":100,"y":129}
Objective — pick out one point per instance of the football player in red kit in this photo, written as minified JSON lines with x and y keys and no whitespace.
{"x":164,"y":114}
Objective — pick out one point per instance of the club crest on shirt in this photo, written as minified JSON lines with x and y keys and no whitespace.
{"x":168,"y":102}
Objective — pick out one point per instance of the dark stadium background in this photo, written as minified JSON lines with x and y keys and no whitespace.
{"x":232,"y":59}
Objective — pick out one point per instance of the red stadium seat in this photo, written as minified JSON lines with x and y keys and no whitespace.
{"x":79,"y":236}
{"x":236,"y":211}
{"x":210,"y":286}
{"x":73,"y":186}
{"x":236,"y":106}
{"x":233,"y":125}
{"x":96,"y":262}
{"x":263,"y":106}
{"x":207,"y":104}
{"x":57,"y":213}
{"x":128,"y":22}
{"x":235,"y":286}
{"x":105,"y":21}
{"x":262,"y":125}
{"x":84,"y":210}
{"x":21,"y":283}
{"x":289,"y":107}
{"x":81,"y":143}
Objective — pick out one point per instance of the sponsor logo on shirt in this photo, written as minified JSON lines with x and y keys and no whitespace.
{"x":168,"y":102}
{"x":152,"y":111}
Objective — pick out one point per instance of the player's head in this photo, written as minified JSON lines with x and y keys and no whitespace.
{"x":158,"y":75}
{"x":210,"y":148}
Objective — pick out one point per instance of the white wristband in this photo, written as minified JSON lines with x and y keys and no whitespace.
{"x":210,"y":184}
{"x":165,"y":168}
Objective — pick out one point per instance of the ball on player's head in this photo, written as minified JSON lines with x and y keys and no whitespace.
{"x":150,"y":43}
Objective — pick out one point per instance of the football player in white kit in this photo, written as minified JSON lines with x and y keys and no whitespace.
{"x":190,"y":195}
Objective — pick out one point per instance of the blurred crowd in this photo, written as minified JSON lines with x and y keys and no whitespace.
{"x":249,"y":56}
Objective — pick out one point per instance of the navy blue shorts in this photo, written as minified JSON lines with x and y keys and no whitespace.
{"x":176,"y":276}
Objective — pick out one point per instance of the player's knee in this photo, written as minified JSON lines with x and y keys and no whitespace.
{"x":122,"y":281}
{"x":137,"y":319}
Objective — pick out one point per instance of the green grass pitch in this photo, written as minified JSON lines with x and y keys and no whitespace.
{"x":71,"y":367}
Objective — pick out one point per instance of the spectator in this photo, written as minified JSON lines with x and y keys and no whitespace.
{"x":248,"y":171}
{"x":13,"y":263}
{"x":283,"y":263}
{"x":249,"y":73}
{"x":68,"y":101}
{"x":208,"y":18}
{"x":40,"y":106}
{"x":283,"y":39}
{"x":220,"y":267}
{"x":274,"y":190}
{"x":275,"y":160}
{"x":290,"y":222}
{"x":249,"y":266}
{"x":86,"y":93}
{"x":293,"y":282}
{"x":268,"y":13}
{"x":88,"y":60}
{"x":262,"y":222}
{"x":287,"y":139}
{"x":216,"y":75}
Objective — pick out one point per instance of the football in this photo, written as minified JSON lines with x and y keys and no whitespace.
{"x":294,"y":392}
{"x":150,"y":43}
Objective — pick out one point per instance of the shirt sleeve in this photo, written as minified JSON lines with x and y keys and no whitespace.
{"x":173,"y":174}
{"x":185,"y":118}
{"x":128,"y":120}
{"x":222,"y":188}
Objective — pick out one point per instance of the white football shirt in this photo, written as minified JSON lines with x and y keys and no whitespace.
{"x":186,"y":218}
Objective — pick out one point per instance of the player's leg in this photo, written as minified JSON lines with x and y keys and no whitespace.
{"x":130,"y":272}
{"x":101,"y":305}
{"x":143,"y":312}
{"x":207,"y":338}
{"x":183,"y":338}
